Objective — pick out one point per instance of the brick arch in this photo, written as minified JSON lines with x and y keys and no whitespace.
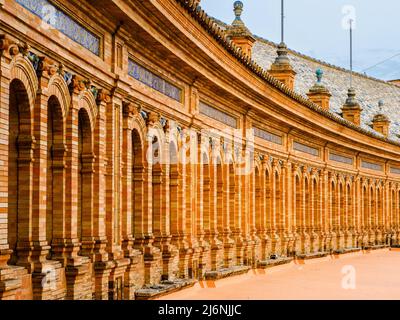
{"x":20,"y":146}
{"x":58,"y":88}
{"x":87,"y":102}
{"x":22,"y":69}
{"x":155,"y":141}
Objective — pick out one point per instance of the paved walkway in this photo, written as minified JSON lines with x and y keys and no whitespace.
{"x":374,"y":275}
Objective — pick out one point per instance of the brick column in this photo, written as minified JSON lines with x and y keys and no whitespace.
{"x":216,"y":244}
{"x":12,"y":278}
{"x":276,"y":208}
{"x":306,"y":206}
{"x":202,"y":203}
{"x":77,"y":267}
{"x":134,"y":276}
{"x":144,"y":237}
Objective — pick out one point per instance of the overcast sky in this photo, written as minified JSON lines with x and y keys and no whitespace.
{"x":315,"y":28}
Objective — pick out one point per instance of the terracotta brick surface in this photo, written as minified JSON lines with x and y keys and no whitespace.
{"x":108,"y":185}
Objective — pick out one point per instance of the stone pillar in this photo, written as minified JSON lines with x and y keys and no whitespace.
{"x":276,"y":208}
{"x":261,"y":218}
{"x":134,"y":274}
{"x":78,"y":268}
{"x":13,"y":279}
{"x":202,"y":203}
{"x":144,"y":237}
{"x":325,"y":224}
{"x":214,"y":239}
{"x":306,"y":206}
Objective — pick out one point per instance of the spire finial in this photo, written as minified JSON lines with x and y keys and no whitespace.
{"x":381,"y":104}
{"x":238,"y":9}
{"x":319,"y":73}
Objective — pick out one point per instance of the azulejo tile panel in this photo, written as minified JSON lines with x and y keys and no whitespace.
{"x":305,"y":149}
{"x":218,"y":115}
{"x":59,"y":20}
{"x":268,"y":136}
{"x":339,"y":158}
{"x":152,"y":80}
{"x":394,"y":170}
{"x":371,"y":166}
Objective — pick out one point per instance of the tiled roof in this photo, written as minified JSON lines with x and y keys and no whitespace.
{"x":369,"y":90}
{"x":265,"y":52}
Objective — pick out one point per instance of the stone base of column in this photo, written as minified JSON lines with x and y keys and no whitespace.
{"x":340,"y":240}
{"x":314,"y":242}
{"x":170,"y":262}
{"x":48,"y":276}
{"x":204,"y":259}
{"x":255,"y":250}
{"x":276,"y":244}
{"x":134,"y":274}
{"x":170,"y":257}
{"x":264,"y":248}
{"x":153,"y":264}
{"x":305,"y":240}
{"x":229,"y":253}
{"x":15,"y":282}
{"x":216,"y":256}
{"x":371,"y":238}
{"x":49,"y":281}
{"x":78,"y":272}
{"x":116,"y":285}
{"x":348,"y":239}
{"x":379,"y":239}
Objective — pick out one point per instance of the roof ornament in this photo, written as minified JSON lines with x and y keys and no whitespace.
{"x":282,"y":51}
{"x":238,"y":9}
{"x":319,"y":73}
{"x":381,"y":104}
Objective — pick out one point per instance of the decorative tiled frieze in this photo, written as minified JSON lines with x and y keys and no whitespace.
{"x":218,"y":115}
{"x":64,"y":23}
{"x":268,"y":136}
{"x":305,"y":148}
{"x":152,"y":80}
{"x":371,"y":166}
{"x":339,"y":158}
{"x":394,"y":170}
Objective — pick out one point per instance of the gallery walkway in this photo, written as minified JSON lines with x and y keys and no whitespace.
{"x":373,"y":275}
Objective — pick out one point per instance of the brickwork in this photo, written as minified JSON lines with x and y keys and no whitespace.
{"x":109,"y":185}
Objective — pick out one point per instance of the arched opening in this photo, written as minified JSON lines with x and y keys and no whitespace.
{"x":257,"y":198}
{"x":307,"y":205}
{"x":174,"y":183}
{"x":379,"y":208}
{"x":342,"y":207}
{"x":157,"y":189}
{"x":333,"y":222}
{"x":55,"y":169}
{"x":137,"y":196}
{"x":365,"y":206}
{"x":221,"y":219}
{"x":278,"y":223}
{"x":268,"y":201}
{"x":206,"y":194}
{"x":349,"y":211}
{"x":297,"y":203}
{"x":19,"y":167}
{"x":315,"y":206}
{"x":372,"y":208}
{"x":85,"y":175}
